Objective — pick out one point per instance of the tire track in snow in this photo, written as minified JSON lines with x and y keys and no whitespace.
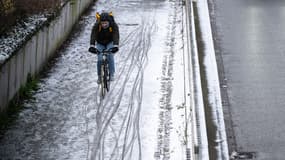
{"x":68,"y":120}
{"x":132,"y":75}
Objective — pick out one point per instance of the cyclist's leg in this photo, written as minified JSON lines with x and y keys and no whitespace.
{"x":100,"y":47}
{"x":111,"y":60}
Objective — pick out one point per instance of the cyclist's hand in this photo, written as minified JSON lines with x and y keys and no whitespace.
{"x":114,"y":49}
{"x":94,"y":50}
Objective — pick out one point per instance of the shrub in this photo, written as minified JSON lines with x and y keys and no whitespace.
{"x":7,"y":9}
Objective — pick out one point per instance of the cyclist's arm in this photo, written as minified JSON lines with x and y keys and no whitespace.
{"x":116,"y":35}
{"x":94,"y":34}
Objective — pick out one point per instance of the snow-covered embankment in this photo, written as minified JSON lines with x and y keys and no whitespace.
{"x":15,"y":66}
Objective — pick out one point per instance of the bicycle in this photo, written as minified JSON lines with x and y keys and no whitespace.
{"x":104,"y":68}
{"x":105,"y":73}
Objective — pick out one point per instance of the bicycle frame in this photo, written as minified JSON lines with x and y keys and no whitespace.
{"x":105,"y":73}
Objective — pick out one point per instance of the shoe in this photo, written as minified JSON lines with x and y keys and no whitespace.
{"x":112,"y":78}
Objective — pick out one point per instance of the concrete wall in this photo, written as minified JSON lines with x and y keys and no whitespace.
{"x":35,"y":53}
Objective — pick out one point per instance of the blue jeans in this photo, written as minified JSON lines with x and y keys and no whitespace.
{"x":111,"y":61}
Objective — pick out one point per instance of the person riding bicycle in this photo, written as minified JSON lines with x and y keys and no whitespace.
{"x":105,"y":36}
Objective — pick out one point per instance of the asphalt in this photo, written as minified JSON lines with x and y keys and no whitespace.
{"x":249,"y":43}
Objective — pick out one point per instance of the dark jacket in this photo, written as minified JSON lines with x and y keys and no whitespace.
{"x":105,"y":36}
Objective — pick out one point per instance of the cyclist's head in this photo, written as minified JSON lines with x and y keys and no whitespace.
{"x":105,"y":24}
{"x":105,"y":17}
{"x":105,"y":20}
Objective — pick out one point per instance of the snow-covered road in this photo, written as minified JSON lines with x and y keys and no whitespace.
{"x":142,"y":117}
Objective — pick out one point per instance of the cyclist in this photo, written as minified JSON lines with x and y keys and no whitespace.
{"x":105,"y":36}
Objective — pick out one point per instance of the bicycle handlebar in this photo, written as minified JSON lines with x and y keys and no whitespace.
{"x":96,"y":51}
{"x":106,"y":51}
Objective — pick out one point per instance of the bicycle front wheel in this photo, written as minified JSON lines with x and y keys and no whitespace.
{"x":102,"y":84}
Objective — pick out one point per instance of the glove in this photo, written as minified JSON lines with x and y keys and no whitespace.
{"x":92,"y":49}
{"x":114,"y":49}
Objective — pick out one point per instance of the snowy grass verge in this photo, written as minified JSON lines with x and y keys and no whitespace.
{"x":11,"y":41}
{"x":15,"y":37}
{"x":16,"y":104}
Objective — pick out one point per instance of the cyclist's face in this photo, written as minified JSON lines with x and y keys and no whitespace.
{"x":105,"y":24}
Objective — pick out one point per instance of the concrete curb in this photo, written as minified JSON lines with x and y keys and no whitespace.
{"x":199,"y":133}
{"x":211,"y":70}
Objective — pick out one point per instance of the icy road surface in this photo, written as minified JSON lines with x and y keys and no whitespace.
{"x":142,"y":117}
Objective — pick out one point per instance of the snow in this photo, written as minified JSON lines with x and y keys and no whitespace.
{"x":18,"y":34}
{"x":213,"y":80}
{"x":142,"y":117}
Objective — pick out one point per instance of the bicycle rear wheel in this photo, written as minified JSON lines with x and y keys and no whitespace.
{"x":106,"y":77}
{"x":104,"y":80}
{"x":102,"y":84}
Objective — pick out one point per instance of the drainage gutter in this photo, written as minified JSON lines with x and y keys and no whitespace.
{"x":199,"y":133}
